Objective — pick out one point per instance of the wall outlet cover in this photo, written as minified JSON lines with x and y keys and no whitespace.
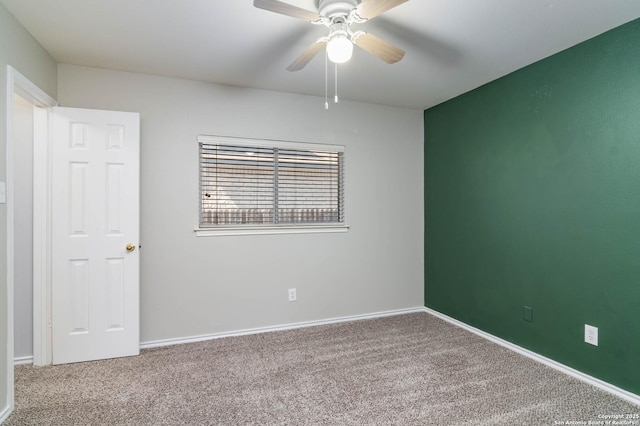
{"x":591,"y":334}
{"x":292,"y":295}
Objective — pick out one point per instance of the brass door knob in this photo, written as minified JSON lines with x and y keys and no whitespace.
{"x":130,"y":247}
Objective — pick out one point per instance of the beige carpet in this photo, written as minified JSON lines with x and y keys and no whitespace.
{"x":405,"y":370}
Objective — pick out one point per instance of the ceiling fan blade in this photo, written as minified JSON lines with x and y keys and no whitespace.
{"x":380,"y":48}
{"x":306,"y":56}
{"x":287,"y":9}
{"x":369,"y":9}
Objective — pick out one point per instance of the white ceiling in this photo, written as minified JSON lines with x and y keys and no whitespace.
{"x":452,"y":45}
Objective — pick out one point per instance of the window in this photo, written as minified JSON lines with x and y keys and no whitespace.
{"x":249,"y":182}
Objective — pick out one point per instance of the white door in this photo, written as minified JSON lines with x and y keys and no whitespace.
{"x":95,"y":230}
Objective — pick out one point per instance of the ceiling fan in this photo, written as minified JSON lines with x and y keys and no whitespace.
{"x":337,"y":16}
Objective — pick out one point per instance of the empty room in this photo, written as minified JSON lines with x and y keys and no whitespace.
{"x":366,"y":212}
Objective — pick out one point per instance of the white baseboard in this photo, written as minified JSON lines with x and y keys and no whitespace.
{"x":4,"y":414}
{"x":20,"y":360}
{"x":204,"y":337}
{"x":608,"y":387}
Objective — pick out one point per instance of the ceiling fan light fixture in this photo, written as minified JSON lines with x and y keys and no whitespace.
{"x":339,"y":49}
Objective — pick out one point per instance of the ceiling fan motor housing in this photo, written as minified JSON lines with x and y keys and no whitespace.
{"x":338,"y":16}
{"x":332,"y":8}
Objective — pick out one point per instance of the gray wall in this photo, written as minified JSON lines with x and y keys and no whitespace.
{"x":22,"y":52}
{"x":194,"y":286}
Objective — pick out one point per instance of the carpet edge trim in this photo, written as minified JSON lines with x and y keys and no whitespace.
{"x":268,"y":329}
{"x":600,"y":384}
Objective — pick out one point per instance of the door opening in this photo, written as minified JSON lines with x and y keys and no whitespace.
{"x":17,"y":84}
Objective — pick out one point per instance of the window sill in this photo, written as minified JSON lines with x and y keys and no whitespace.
{"x":270,"y":230}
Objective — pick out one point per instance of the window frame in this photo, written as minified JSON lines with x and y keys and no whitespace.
{"x":272,"y":228}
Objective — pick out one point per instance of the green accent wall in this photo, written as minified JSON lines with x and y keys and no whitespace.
{"x":532,"y":198}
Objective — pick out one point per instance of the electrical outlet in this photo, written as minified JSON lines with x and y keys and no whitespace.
{"x":292,"y":295}
{"x":591,"y":334}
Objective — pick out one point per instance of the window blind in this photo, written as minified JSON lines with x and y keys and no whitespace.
{"x":264,"y":185}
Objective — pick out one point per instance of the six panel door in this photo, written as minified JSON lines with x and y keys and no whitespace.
{"x":95,"y":232}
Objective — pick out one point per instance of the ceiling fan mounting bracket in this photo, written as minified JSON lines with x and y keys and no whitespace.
{"x":333,"y":8}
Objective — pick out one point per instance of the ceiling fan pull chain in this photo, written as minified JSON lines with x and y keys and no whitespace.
{"x":326,"y":82}
{"x":335,"y":100}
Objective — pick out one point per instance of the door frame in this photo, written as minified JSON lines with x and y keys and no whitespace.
{"x":21,"y":85}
